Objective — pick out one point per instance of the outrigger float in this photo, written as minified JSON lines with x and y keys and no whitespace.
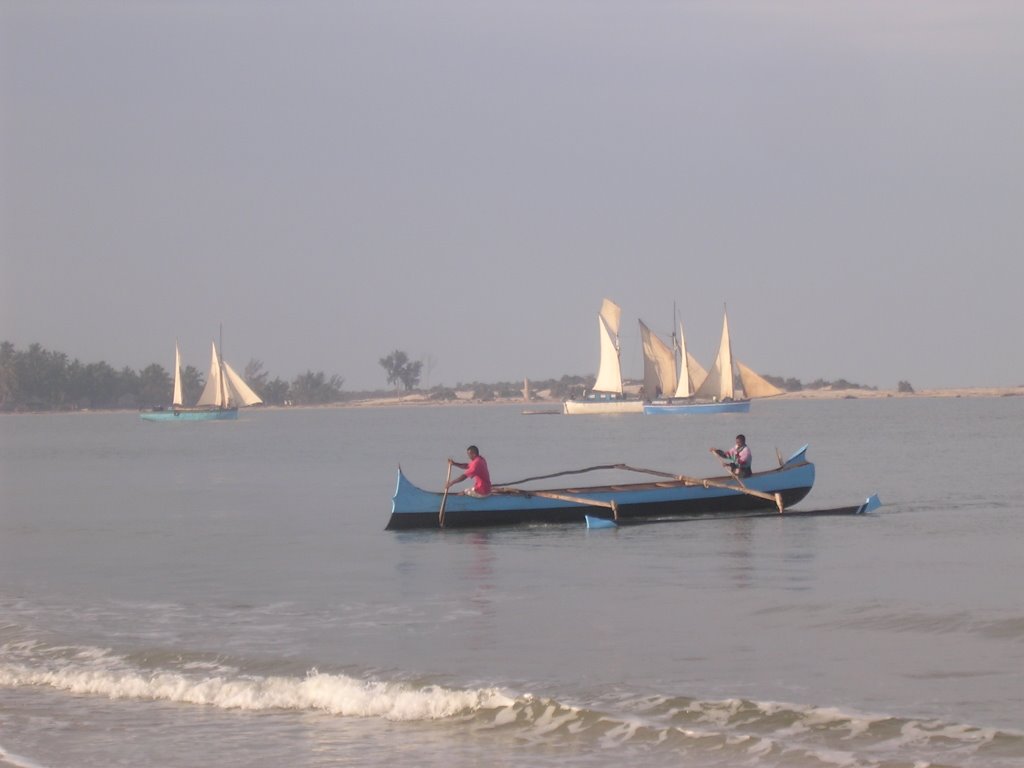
{"x":668,"y":497}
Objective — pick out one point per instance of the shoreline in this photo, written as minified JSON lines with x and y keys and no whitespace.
{"x":839,"y":394}
{"x":466,"y":399}
{"x":810,"y":394}
{"x":541,"y":402}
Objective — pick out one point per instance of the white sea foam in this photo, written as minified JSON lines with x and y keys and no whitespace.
{"x":17,"y":760}
{"x":734,"y":728}
{"x":332,"y":693}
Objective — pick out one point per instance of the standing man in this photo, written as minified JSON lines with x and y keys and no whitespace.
{"x":475,"y":468}
{"x":739,"y":457}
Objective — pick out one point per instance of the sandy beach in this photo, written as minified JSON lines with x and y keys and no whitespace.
{"x":834,"y":394}
{"x":540,"y":398}
{"x":541,"y":401}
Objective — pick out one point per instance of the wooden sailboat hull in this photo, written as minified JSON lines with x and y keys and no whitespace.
{"x":594,"y":406}
{"x":412,"y":507}
{"x":190,"y":414}
{"x":683,"y":408}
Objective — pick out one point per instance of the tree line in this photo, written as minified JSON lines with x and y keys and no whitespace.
{"x":39,"y":379}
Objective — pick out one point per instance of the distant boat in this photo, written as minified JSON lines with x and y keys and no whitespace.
{"x":717,"y":392}
{"x":664,"y":376}
{"x":606,"y":396}
{"x":224,"y":392}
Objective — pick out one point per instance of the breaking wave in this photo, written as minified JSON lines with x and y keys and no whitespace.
{"x":661,"y":729}
{"x":97,"y":671}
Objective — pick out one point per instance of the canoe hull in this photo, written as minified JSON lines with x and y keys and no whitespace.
{"x":413,"y":507}
{"x":683,"y":409}
{"x":190,"y":414}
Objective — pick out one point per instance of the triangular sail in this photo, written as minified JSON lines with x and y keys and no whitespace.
{"x":176,"y":399}
{"x":612,"y":315}
{"x":213,"y":392}
{"x":719,"y":381}
{"x":686,"y":386}
{"x":609,"y":373}
{"x":239,"y":392}
{"x":755,"y":385}
{"x":659,"y":365}
{"x":696,"y":372}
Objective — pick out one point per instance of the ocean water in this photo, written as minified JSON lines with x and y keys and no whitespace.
{"x":225,"y":594}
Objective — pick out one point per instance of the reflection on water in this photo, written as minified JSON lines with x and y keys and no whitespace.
{"x":739,"y":557}
{"x":480,"y":574}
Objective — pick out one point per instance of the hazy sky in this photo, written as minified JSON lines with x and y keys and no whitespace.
{"x":466,"y":181}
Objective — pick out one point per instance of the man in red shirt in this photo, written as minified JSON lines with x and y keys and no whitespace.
{"x":477,"y":469}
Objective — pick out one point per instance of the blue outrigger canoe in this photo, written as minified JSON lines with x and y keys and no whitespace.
{"x":670,"y":497}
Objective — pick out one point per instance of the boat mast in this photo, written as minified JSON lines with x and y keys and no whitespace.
{"x":220,"y":367}
{"x":675,"y":342}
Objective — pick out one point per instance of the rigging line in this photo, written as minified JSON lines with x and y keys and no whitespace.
{"x":651,"y":472}
{"x":567,"y":472}
{"x":625,"y":467}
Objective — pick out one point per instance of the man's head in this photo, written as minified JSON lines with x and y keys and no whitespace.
{"x":472,"y":451}
{"x":741,"y":440}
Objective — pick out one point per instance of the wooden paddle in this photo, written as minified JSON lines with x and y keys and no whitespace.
{"x":444,"y":497}
{"x":775,"y":497}
{"x":742,"y":488}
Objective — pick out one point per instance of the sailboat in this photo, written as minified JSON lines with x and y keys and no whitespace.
{"x":717,"y":392}
{"x":224,"y":392}
{"x":670,"y":372}
{"x":606,"y":396}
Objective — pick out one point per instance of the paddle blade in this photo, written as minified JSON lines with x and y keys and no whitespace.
{"x":599,"y":522}
{"x":870,"y":504}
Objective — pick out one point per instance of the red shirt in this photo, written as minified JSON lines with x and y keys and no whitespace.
{"x":477,"y":469}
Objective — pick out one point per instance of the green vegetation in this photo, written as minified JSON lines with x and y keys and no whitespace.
{"x":402,"y":370}
{"x":37,"y":379}
{"x":315,"y":389}
{"x":795,"y":385}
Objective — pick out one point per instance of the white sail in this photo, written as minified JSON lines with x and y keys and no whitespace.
{"x":609,"y":373}
{"x":659,"y":365}
{"x":696,"y":373}
{"x":685,"y":386}
{"x":213,"y":392}
{"x":719,"y":381}
{"x":176,"y":399}
{"x":691,"y":373}
{"x":612,"y":314}
{"x":239,"y":392}
{"x":755,"y":385}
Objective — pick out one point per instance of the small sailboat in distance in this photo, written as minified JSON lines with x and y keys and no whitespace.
{"x":606,"y":396}
{"x":224,"y":392}
{"x":717,"y":393}
{"x":669,"y":372}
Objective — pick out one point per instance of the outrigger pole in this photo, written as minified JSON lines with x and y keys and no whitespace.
{"x":612,"y":505}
